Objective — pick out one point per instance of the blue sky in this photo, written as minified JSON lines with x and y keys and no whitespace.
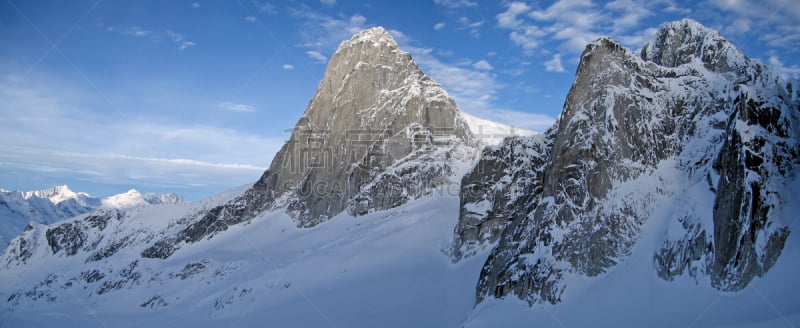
{"x":195,"y":97}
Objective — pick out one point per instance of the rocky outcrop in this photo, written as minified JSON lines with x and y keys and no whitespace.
{"x":501,"y":188}
{"x":638,"y":132}
{"x":377,"y":133}
{"x":373,"y":109}
{"x":66,"y":238}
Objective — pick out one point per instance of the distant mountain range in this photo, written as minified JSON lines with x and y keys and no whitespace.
{"x":19,"y":208}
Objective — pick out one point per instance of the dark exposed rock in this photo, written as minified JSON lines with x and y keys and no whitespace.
{"x":69,"y":237}
{"x":502,"y":187}
{"x":625,"y":117}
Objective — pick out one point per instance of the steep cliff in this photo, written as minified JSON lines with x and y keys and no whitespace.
{"x":691,"y":116}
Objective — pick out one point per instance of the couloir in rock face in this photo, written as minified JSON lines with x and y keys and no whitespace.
{"x":692,"y":121}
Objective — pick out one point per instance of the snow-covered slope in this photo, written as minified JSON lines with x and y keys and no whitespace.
{"x":18,"y":209}
{"x":492,"y":133}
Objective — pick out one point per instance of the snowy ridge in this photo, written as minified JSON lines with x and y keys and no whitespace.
{"x":18,"y":209}
{"x":492,"y":133}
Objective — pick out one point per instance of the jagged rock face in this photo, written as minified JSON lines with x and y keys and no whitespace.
{"x":502,"y":187}
{"x":635,"y":134}
{"x":373,"y":108}
{"x":681,"y":42}
{"x":63,"y":239}
{"x":377,"y":133}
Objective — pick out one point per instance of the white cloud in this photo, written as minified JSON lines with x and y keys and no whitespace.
{"x":528,"y":37}
{"x":324,"y":33}
{"x":474,"y":28}
{"x":672,"y":8}
{"x":571,"y":24}
{"x":629,"y":14}
{"x":234,"y":107}
{"x":251,"y":19}
{"x":508,"y":19}
{"x":264,"y":7}
{"x":328,"y":2}
{"x":195,"y":5}
{"x":554,"y":64}
{"x":175,"y":37}
{"x":455,"y":3}
{"x":438,"y":26}
{"x":288,"y":67}
{"x":185,"y":44}
{"x":790,"y":71}
{"x":482,"y":65}
{"x":179,"y":40}
{"x":776,"y":22}
{"x":637,"y":40}
{"x":317,"y":56}
{"x":136,"y":31}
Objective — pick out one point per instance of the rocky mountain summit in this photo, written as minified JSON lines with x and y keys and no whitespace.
{"x":377,"y":133}
{"x":691,"y":136}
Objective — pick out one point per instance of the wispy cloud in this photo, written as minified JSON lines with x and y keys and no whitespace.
{"x":288,"y":67}
{"x":136,"y":31}
{"x":455,"y":3}
{"x":51,"y":127}
{"x":234,"y":107}
{"x":554,"y":64}
{"x":474,"y":27}
{"x":438,"y":26}
{"x":264,"y":7}
{"x":195,"y":5}
{"x":571,"y":24}
{"x":317,"y":56}
{"x":509,"y":18}
{"x":328,"y":2}
{"x":788,"y":71}
{"x":139,"y":32}
{"x":776,"y":22}
{"x":482,"y":65}
{"x":251,"y":19}
{"x":179,"y":39}
{"x":321,"y":32}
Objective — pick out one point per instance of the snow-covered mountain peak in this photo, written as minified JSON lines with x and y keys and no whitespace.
{"x":682,"y":42}
{"x":56,"y":194}
{"x":376,"y":35}
{"x":133,"y":198}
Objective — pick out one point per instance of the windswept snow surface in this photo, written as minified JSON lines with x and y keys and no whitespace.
{"x":631,"y":294}
{"x":384,"y":269}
